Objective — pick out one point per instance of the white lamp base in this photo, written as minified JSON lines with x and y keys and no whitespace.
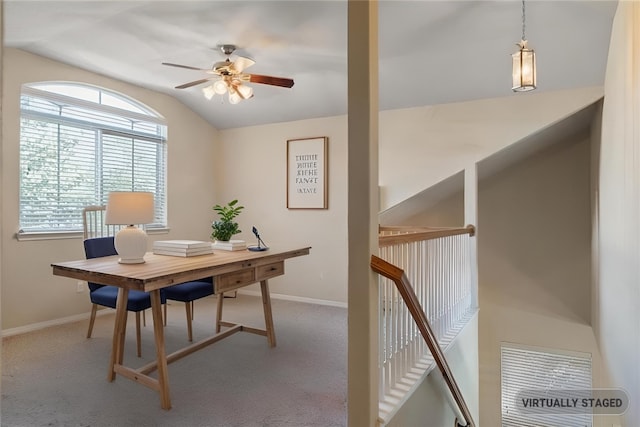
{"x":131,"y":245}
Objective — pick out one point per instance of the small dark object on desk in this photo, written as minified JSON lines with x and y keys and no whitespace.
{"x":258,"y":247}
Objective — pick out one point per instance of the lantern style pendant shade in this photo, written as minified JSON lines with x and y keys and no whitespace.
{"x":524,"y":68}
{"x":524,"y":62}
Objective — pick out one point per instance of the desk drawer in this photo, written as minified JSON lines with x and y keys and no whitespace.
{"x":237,"y":279}
{"x":270,"y":270}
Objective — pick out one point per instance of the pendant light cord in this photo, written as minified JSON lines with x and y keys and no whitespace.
{"x":523,"y":21}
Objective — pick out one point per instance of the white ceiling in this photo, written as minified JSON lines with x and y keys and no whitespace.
{"x":431,"y":52}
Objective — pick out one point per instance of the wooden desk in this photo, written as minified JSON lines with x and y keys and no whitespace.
{"x":230,"y":270}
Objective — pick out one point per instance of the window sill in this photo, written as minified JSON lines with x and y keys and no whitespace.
{"x":59,"y":235}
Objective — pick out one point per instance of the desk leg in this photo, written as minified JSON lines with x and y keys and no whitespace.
{"x":219,"y":313}
{"x":161,"y":357}
{"x":268,"y":317}
{"x":119,"y":331}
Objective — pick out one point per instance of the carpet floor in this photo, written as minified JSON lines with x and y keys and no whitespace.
{"x":58,"y":377}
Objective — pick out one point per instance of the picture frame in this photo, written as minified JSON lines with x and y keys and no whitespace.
{"x":307,"y":169}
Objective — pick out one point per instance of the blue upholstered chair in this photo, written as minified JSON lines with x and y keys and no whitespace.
{"x":188,"y":292}
{"x":106,"y":295}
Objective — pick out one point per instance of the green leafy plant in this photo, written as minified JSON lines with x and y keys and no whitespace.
{"x":226,"y":227}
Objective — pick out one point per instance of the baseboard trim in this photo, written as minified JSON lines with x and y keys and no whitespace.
{"x":298,"y":299}
{"x":49,"y":323}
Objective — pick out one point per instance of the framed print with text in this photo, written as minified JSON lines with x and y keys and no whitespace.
{"x":307,"y":173}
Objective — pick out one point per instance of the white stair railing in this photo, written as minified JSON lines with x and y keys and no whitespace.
{"x":437,"y":264}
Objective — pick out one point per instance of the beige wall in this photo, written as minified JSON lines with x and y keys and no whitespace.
{"x":30,"y":293}
{"x":1,"y":144}
{"x":534,"y":251}
{"x":422,"y":146}
{"x":255,"y":173}
{"x":535,"y":220}
{"x":448,"y":212}
{"x":617,"y":291}
{"x":441,"y":205}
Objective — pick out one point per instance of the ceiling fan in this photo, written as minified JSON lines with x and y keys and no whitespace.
{"x":230,"y":77}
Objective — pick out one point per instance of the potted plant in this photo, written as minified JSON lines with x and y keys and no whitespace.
{"x":225,"y":227}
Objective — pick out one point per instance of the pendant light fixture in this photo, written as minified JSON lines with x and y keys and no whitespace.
{"x":524,"y":63}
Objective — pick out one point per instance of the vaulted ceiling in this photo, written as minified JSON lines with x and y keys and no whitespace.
{"x":431,"y":52}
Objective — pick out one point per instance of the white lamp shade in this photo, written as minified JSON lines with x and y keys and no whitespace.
{"x":129,"y":207}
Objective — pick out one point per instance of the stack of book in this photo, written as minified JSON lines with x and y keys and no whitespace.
{"x":230,"y":245}
{"x":182,"y":247}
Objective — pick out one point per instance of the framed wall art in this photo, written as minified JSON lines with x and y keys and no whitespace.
{"x":307,"y":173}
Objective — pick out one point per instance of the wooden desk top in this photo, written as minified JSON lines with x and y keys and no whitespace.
{"x":160,"y":271}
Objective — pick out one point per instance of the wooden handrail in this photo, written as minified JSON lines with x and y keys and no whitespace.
{"x":410,"y":228}
{"x":396,"y":274}
{"x":416,"y":234}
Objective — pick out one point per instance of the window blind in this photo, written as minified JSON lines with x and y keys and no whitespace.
{"x":72,"y":156}
{"x":534,"y":369}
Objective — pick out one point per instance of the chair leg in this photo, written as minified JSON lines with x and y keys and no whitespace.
{"x":92,"y":319}
{"x":187,"y":306}
{"x":192,"y":309}
{"x":144,"y":318}
{"x":138,"y":338}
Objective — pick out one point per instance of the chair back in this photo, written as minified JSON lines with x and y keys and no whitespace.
{"x":96,"y":248}
{"x":93,"y":223}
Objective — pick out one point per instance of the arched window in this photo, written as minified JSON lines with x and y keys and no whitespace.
{"x":79,"y":142}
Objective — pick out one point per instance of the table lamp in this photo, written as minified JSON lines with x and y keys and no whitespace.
{"x":129,"y":208}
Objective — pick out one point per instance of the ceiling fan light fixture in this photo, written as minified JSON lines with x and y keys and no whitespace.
{"x":242,"y":64}
{"x":234,"y":97}
{"x":523,"y":64}
{"x":220,"y":87}
{"x":245,"y":91}
{"x":209,"y":92}
{"x":231,"y":77}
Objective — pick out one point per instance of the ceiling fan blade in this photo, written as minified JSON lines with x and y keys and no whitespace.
{"x":270,"y":80}
{"x":184,"y":66}
{"x":242,"y":63}
{"x":195,"y":83}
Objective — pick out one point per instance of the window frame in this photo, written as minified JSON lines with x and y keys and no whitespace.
{"x":143,"y":114}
